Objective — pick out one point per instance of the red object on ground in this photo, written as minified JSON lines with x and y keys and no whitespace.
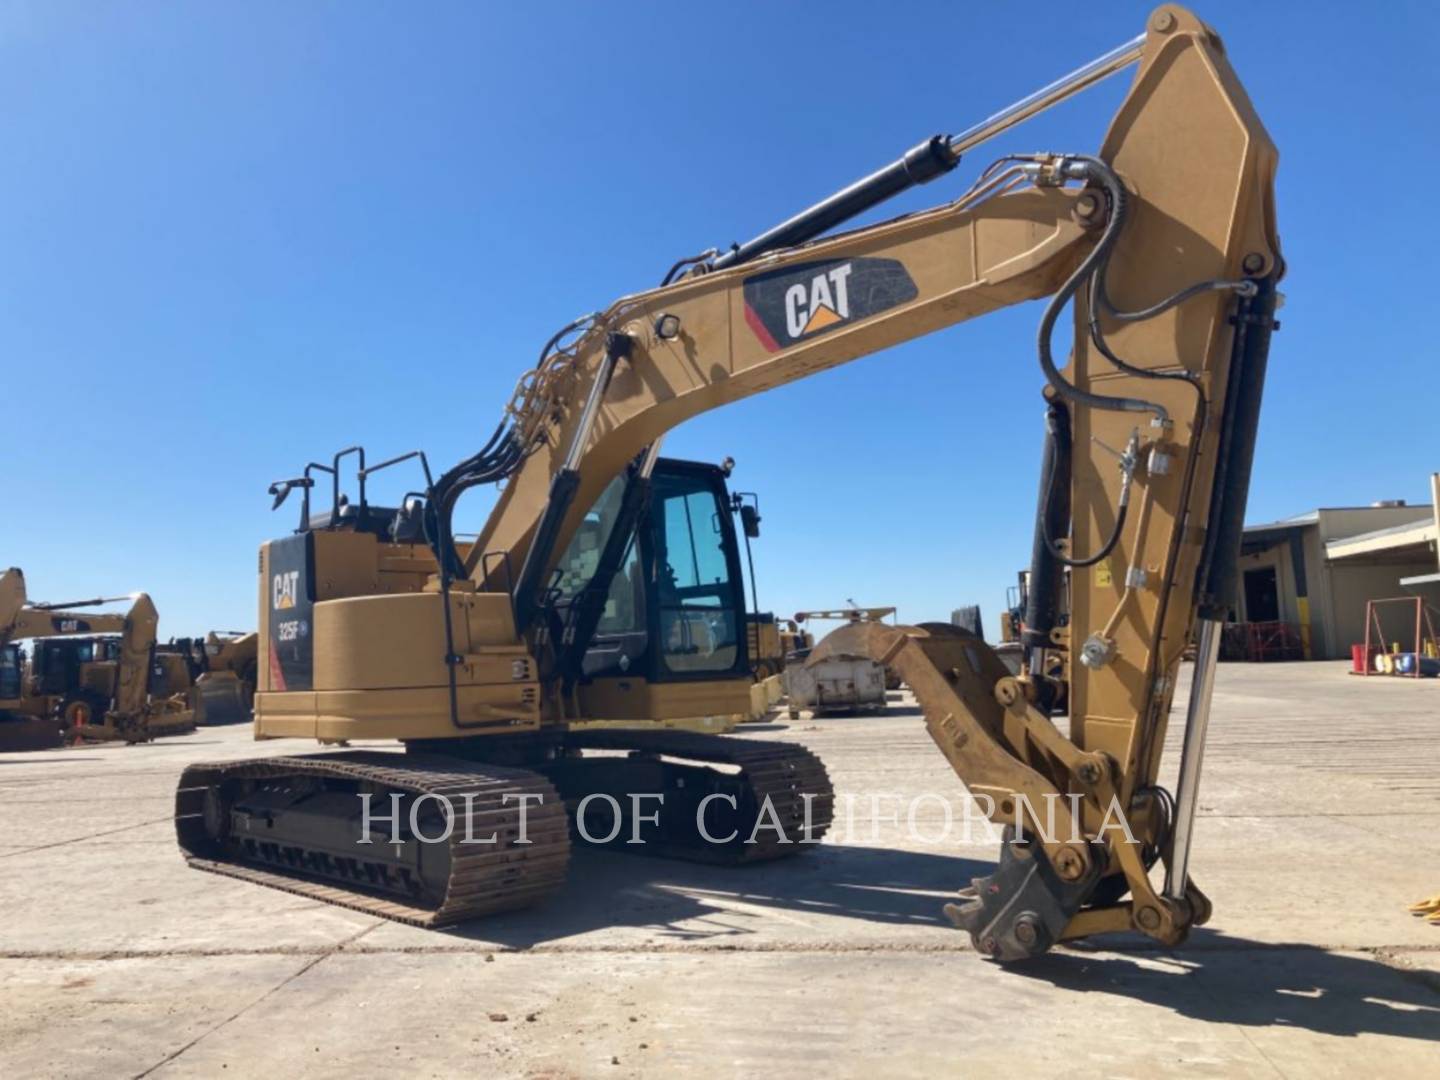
{"x":1272,"y":641}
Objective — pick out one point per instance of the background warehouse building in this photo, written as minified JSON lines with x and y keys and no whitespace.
{"x":1306,"y":580}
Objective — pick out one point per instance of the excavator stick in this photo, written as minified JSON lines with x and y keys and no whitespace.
{"x":975,"y":711}
{"x":1031,"y":781}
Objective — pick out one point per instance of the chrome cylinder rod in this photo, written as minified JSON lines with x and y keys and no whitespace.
{"x":581,"y":438}
{"x":63,"y":605}
{"x":652,"y":455}
{"x":1192,"y":755}
{"x":1097,"y":70}
{"x":932,"y":158}
{"x":563,"y":486}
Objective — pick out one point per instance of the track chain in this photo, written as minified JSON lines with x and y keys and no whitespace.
{"x":483,"y":878}
{"x":786,"y":774}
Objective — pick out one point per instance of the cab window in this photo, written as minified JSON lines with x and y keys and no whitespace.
{"x":695,"y":591}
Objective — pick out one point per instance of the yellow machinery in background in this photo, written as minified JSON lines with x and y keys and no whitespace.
{"x":772,"y":644}
{"x":1014,"y":651}
{"x":89,"y":673}
{"x":225,"y":687}
{"x":218,"y":673}
{"x":1428,"y":909}
{"x":764,"y":645}
{"x":515,"y":687}
{"x":794,"y":638}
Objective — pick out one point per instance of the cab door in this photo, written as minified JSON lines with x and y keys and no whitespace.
{"x":674,"y":607}
{"x":697,"y":594}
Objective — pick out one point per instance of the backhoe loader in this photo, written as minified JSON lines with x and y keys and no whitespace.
{"x":494,"y":673}
{"x":89,"y":675}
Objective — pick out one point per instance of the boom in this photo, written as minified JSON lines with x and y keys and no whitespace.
{"x":1186,"y":137}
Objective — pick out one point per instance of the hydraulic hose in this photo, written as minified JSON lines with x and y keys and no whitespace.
{"x":497,"y":460}
{"x":673,"y":273}
{"x":1105,"y":549}
{"x":1089,"y":168}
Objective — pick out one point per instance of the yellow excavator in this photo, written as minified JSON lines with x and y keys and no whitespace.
{"x":89,"y":675}
{"x":529,"y":704}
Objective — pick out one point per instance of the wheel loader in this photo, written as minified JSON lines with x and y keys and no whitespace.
{"x":530,"y":709}
{"x":90,"y":672}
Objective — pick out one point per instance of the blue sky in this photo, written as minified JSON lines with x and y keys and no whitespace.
{"x":240,"y":236}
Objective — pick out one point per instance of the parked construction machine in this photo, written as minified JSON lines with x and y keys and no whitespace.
{"x":89,"y":675}
{"x":769,"y":642}
{"x":515,"y":689}
{"x":839,"y":682}
{"x":27,"y":719}
{"x":764,"y":644}
{"x":219,"y":674}
{"x":1013,"y":649}
{"x":853,"y":614}
{"x":773,"y":645}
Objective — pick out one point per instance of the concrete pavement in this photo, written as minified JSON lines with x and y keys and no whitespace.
{"x":1320,"y":821}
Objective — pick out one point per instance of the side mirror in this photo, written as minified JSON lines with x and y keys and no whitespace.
{"x":750,"y":521}
{"x":281,"y":489}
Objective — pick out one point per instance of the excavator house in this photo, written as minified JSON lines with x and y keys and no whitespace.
{"x":543,"y":674}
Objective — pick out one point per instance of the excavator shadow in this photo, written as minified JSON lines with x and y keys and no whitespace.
{"x":693,"y":902}
{"x":1224,"y":979}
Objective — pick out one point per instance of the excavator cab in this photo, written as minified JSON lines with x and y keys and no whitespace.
{"x":65,"y":665}
{"x":79,"y":673}
{"x":675,"y":605}
{"x":25,"y":721}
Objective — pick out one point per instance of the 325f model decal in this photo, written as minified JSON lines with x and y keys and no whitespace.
{"x":787,"y":306}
